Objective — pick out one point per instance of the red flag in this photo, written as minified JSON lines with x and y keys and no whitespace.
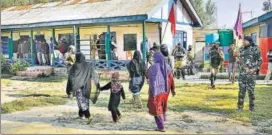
{"x":172,"y":20}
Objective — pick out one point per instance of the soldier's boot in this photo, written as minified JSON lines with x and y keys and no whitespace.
{"x":183,"y":74}
{"x":251,"y":105}
{"x":251,"y":100}
{"x":240,"y":104}
{"x":212,"y":81}
{"x":178,"y":73}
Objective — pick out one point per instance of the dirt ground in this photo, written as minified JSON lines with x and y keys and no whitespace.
{"x":61,"y":119}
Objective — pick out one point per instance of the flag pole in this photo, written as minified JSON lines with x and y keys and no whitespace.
{"x":166,"y":24}
{"x":164,"y":31}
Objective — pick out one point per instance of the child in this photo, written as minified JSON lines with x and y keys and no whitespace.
{"x":117,"y":90}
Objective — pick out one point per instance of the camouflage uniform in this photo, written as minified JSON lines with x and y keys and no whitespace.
{"x":180,"y":61}
{"x":216,"y":59}
{"x":250,"y":58}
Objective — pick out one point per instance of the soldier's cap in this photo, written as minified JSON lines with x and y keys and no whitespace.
{"x":248,"y":38}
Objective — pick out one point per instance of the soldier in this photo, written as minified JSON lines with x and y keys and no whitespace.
{"x":191,"y":62}
{"x":180,"y":61}
{"x":216,"y":58}
{"x":249,"y":61}
{"x":151,"y":52}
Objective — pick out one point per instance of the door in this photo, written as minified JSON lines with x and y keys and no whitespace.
{"x":4,"y":46}
{"x":181,"y":37}
{"x":254,"y":38}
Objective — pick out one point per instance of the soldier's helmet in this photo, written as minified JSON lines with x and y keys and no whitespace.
{"x":164,"y":50}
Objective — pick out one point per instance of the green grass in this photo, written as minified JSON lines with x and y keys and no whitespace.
{"x":223,"y":100}
{"x":38,"y":96}
{"x":190,"y":97}
{"x":29,"y":102}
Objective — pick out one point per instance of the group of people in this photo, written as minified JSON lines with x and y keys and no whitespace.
{"x":55,"y":53}
{"x":159,"y":77}
{"x":248,"y":59}
{"x":45,"y":54}
{"x":184,"y":59}
{"x":101,"y":47}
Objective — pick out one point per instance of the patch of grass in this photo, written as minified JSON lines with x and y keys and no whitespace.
{"x":6,"y":82}
{"x":223,"y":100}
{"x":35,"y":97}
{"x":29,"y":102}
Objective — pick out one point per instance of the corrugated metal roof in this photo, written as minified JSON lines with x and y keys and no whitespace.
{"x":72,"y":10}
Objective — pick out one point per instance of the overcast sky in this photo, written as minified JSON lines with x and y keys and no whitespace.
{"x":228,"y":10}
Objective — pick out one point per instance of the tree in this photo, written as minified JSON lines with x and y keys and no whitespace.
{"x":10,"y":3}
{"x":206,"y":12}
{"x":267,"y":6}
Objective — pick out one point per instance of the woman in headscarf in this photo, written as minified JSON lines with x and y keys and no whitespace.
{"x":80,"y":86}
{"x":136,"y":71}
{"x":160,"y":82}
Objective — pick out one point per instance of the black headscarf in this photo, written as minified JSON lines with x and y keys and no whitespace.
{"x":164,"y":50}
{"x":249,"y":39}
{"x":137,"y":56}
{"x":136,"y":67}
{"x":80,"y":75}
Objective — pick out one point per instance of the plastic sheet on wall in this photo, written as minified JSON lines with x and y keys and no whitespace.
{"x":210,"y":38}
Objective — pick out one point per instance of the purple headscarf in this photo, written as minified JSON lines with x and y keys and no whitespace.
{"x":158,"y":75}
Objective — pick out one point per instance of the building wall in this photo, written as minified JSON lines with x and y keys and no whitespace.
{"x":152,"y":33}
{"x":183,"y":23}
{"x":254,"y":29}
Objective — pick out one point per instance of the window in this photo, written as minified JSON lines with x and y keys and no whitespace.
{"x":263,"y":30}
{"x":254,"y":38}
{"x":130,"y":42}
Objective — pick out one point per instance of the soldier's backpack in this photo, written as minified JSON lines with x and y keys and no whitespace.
{"x":215,"y":57}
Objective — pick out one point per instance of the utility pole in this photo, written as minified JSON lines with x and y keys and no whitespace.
{"x":248,"y":12}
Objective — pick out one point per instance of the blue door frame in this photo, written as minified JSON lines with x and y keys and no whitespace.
{"x":181,"y":37}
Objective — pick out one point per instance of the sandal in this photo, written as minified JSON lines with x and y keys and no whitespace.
{"x":90,"y":120}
